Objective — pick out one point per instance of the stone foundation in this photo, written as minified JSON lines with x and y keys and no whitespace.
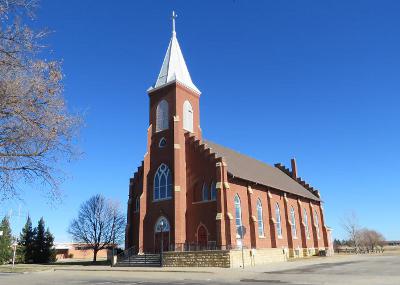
{"x":219,"y":258}
{"x":223,"y":258}
{"x":256,"y":257}
{"x":307,"y":252}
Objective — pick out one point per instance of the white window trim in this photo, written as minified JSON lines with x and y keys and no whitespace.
{"x":162,"y":116}
{"x":188,"y":116}
{"x":161,"y":199}
{"x":293,"y":219}
{"x":317,"y":224}
{"x":305,"y":223}
{"x":238,"y":236}
{"x":205,"y":190}
{"x":260,"y":208}
{"x":166,"y":172}
{"x":278,"y":221}
{"x":213,"y":186}
{"x":162,"y":140}
{"x":137,"y":205}
{"x":203,"y":202}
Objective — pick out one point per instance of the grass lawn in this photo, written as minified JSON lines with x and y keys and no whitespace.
{"x":21,"y":268}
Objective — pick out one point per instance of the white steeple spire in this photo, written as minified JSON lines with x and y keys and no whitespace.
{"x":174,"y":67}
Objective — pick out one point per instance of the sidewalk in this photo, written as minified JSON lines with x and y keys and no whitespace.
{"x":139,"y":269}
{"x":265,"y":268}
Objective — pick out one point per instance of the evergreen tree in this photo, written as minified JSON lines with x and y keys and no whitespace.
{"x":39,"y":243}
{"x":5,"y":241}
{"x":43,"y":244}
{"x":26,"y":246}
{"x":49,"y":245}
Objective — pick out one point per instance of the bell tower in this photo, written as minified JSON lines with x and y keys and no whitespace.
{"x":174,"y":111}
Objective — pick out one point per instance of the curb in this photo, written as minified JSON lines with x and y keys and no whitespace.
{"x":130,"y":270}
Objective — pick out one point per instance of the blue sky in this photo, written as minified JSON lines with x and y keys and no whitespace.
{"x":315,"y":80}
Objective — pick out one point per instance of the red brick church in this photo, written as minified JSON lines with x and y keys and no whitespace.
{"x":193,"y":193}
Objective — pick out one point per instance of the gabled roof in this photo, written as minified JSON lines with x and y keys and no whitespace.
{"x":174,"y":67}
{"x":250,"y":169}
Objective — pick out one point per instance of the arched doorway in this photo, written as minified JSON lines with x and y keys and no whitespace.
{"x":161,"y":234}
{"x":202,"y":236}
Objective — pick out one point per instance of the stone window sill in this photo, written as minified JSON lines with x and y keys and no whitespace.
{"x":163,"y":199}
{"x":203,"y":202}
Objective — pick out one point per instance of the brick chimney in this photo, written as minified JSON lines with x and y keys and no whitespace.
{"x":294,"y":168}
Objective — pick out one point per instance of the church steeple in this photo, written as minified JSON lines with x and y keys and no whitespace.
{"x":174,"y":67}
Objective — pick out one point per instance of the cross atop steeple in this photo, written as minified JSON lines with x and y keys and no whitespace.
{"x":174,"y":16}
{"x":174,"y":67}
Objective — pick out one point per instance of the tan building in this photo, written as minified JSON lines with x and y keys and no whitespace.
{"x":78,"y":251}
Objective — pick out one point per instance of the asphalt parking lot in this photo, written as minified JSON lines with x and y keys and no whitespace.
{"x":348,"y":270}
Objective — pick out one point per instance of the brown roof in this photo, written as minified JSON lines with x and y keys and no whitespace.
{"x":247,"y":168}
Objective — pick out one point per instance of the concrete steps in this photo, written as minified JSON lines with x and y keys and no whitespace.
{"x":140,"y":260}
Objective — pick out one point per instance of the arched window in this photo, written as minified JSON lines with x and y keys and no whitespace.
{"x":213,"y":191}
{"x":316,"y":223}
{"x":260,"y":220}
{"x":162,"y":116}
{"x":162,"y":183}
{"x":293,"y":222}
{"x":306,"y":223}
{"x":137,"y":204}
{"x":278,"y":220}
{"x":238,"y":217}
{"x":162,"y":225}
{"x":162,"y":143}
{"x":204,"y":192}
{"x":187,"y":116}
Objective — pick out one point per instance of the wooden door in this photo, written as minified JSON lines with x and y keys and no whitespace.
{"x":157,"y":241}
{"x":202,"y":237}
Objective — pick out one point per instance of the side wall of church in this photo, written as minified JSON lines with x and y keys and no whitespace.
{"x":133,"y":217}
{"x":270,"y":198}
{"x":200,"y":169}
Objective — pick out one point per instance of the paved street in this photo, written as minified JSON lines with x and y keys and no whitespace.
{"x":347,"y":270}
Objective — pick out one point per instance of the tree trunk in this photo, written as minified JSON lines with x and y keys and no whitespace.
{"x":95,"y":255}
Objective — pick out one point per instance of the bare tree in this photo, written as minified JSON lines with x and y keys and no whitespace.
{"x":100,"y":224}
{"x":370,"y":240}
{"x":36,"y":130}
{"x":351,"y":226}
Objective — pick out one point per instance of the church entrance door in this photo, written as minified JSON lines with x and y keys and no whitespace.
{"x":202,"y":237}
{"x":164,"y":243}
{"x":161,"y":234}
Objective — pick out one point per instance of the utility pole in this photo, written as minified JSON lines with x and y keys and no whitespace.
{"x":15,"y":243}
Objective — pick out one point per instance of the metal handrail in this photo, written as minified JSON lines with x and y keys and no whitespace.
{"x":126,"y":253}
{"x":133,"y":251}
{"x":193,"y":246}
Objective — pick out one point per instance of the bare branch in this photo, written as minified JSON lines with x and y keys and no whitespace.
{"x":36,"y":130}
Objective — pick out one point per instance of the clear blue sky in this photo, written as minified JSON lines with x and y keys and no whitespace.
{"x":318,"y":80}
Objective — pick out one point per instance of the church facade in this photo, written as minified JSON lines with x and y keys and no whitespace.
{"x":190,"y":193}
